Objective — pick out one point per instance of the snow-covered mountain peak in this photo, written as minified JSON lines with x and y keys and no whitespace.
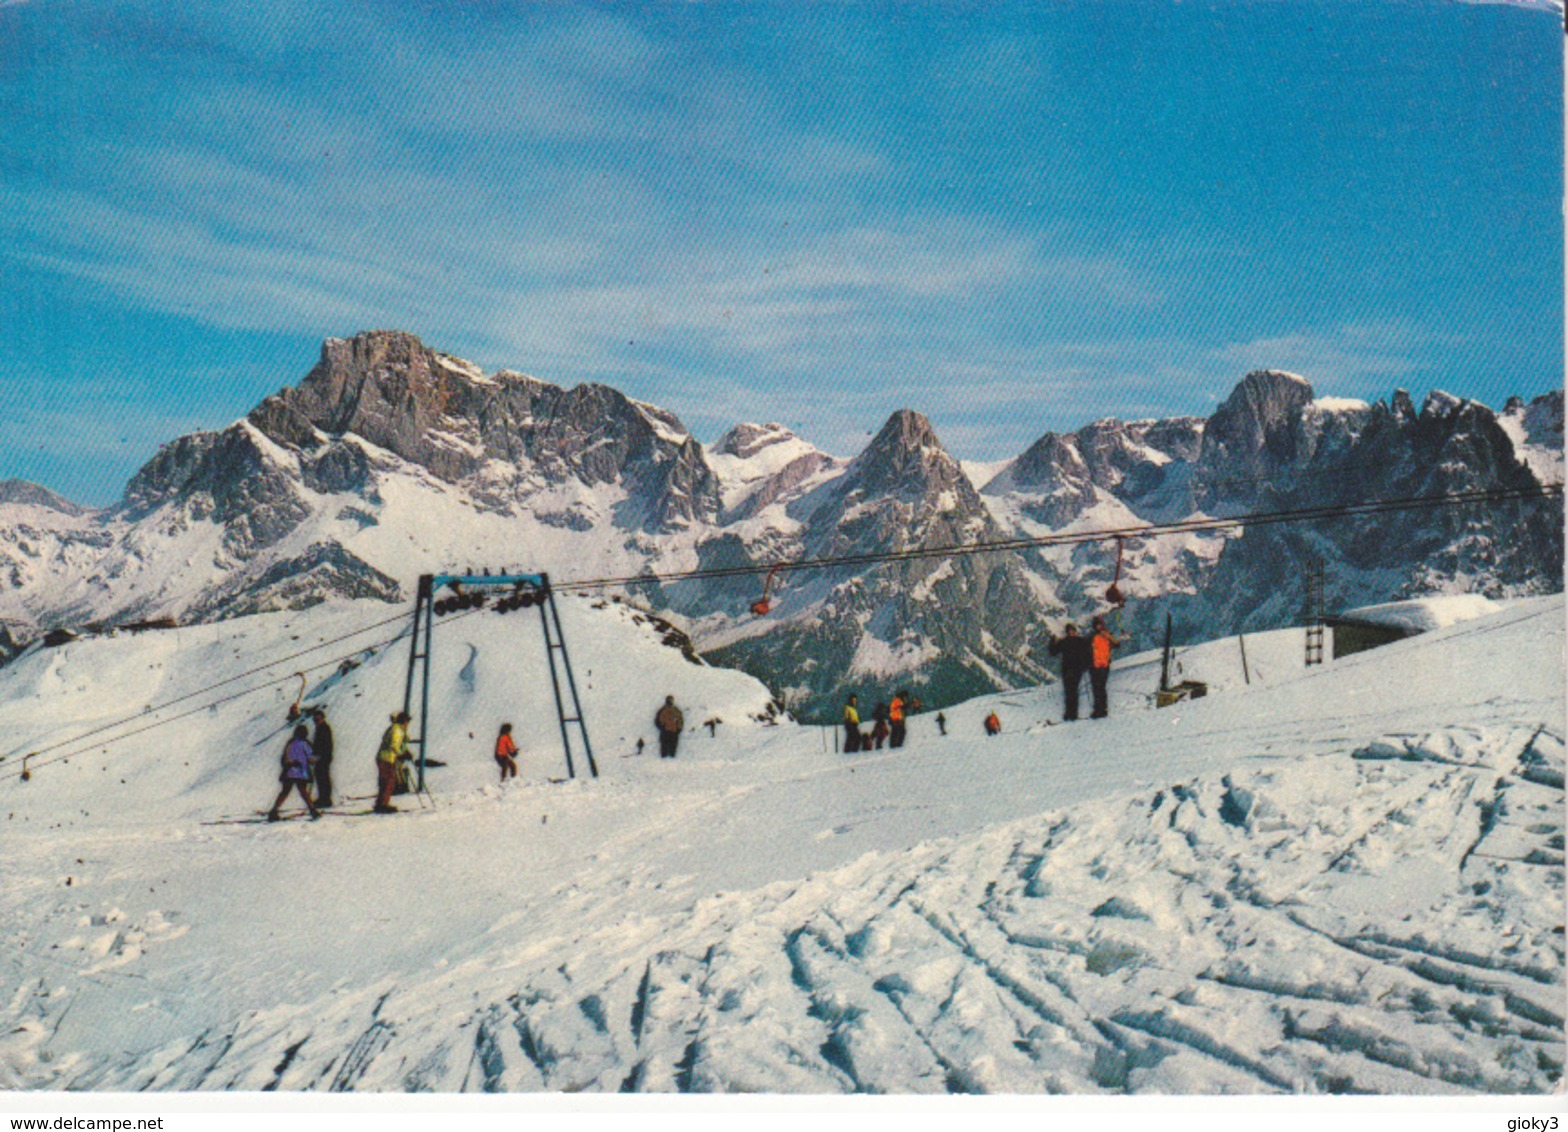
{"x":746,"y":440}
{"x":26,"y":494}
{"x":1338,"y":405}
{"x":758,"y":465}
{"x":909,"y":429}
{"x":389,"y":459}
{"x":905,"y":458}
{"x":1537,"y":432}
{"x":1441,"y":405}
{"x":1257,"y":416}
{"x":665,"y":423}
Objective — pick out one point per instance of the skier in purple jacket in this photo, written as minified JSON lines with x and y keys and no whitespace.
{"x":296,"y":773}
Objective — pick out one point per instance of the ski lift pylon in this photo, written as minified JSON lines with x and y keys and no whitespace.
{"x":762,"y":605}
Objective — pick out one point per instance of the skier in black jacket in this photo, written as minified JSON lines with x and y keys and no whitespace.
{"x":321,"y":744}
{"x":1076,"y":658}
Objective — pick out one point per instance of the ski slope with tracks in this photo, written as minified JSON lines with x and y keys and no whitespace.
{"x":1343,"y":879}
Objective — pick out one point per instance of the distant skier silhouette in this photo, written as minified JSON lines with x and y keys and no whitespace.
{"x":670,"y":723}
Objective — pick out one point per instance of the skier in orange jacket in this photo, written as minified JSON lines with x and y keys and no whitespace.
{"x":506,"y":752}
{"x":1100,"y":645}
{"x":895,"y":719}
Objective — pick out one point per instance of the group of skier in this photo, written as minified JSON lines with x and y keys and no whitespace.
{"x":889,"y":723}
{"x":1091,"y":654}
{"x":307,"y":765}
{"x":307,"y":757}
{"x":1080,"y":655}
{"x":307,"y":761}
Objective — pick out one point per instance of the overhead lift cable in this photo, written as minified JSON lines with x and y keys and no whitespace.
{"x":153,"y":709}
{"x":1074,"y":538}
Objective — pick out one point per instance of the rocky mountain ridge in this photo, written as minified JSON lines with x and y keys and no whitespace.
{"x":389,"y":459}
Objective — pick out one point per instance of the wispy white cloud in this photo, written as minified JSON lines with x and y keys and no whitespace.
{"x":1346,"y":356}
{"x":582,"y":193}
{"x":822,"y":299}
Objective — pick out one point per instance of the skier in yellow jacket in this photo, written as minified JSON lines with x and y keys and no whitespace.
{"x":852,"y":737}
{"x":394,"y":746}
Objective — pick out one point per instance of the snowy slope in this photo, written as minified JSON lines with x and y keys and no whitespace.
{"x":1422,"y":615}
{"x":1348,"y":879}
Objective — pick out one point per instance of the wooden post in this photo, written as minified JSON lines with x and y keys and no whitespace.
{"x":1244,"y":674}
{"x":1165,"y":657}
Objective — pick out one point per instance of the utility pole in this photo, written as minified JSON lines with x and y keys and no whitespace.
{"x":1165,"y":656}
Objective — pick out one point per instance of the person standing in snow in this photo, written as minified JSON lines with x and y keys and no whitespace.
{"x":1100,"y":645}
{"x":941,"y":723}
{"x":670,"y":723}
{"x":506,"y":752}
{"x":852,"y":737}
{"x":296,"y":773}
{"x":879,"y":727}
{"x":1077,"y":656}
{"x":394,"y":746}
{"x":993,"y":724}
{"x":895,"y":717}
{"x":321,"y":744}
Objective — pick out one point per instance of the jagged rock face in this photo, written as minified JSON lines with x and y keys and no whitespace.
{"x":747,"y":440}
{"x":297,"y":582}
{"x":941,"y":625}
{"x":1537,"y":429}
{"x":1253,"y":438}
{"x":446,"y":416}
{"x":903,"y":489}
{"x":1543,"y":420}
{"x":226,"y":477}
{"x":1270,"y":447}
{"x":1058,"y":478}
{"x":761,"y":465}
{"x":1063,"y":485}
{"x":1379,"y":452}
{"x":331,"y":489}
{"x":386,"y":387}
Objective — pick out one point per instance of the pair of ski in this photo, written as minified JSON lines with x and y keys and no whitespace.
{"x":260,"y":817}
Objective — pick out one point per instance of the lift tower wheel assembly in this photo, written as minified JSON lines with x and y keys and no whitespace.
{"x":472,"y":591}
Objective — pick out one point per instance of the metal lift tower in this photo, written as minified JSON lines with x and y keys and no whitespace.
{"x":508,"y":592}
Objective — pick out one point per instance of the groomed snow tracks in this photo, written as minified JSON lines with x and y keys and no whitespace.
{"x":1226,"y":934}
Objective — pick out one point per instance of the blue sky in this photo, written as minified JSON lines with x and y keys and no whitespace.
{"x":1012,"y":217}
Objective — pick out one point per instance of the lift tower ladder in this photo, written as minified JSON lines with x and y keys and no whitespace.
{"x":515,"y":591}
{"x":555,"y":645}
{"x":1313,"y":611}
{"x":419,"y":659}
